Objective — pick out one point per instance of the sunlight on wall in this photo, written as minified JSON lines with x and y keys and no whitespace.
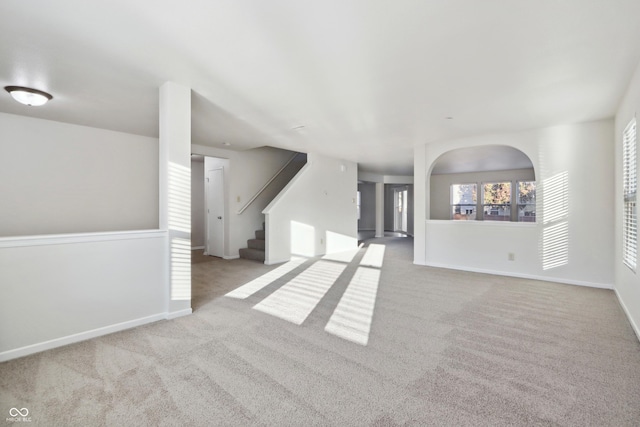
{"x":179,"y":220}
{"x":179,"y":198}
{"x":303,"y":238}
{"x":337,"y":242}
{"x":374,"y":256}
{"x":297,"y":299}
{"x":255,"y":285}
{"x":555,"y":245}
{"x":351,"y":320}
{"x":555,"y":214}
{"x":555,"y":204}
{"x":180,"y":269}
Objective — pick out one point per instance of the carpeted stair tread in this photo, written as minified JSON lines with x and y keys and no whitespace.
{"x":250,"y":253}
{"x":256,"y":244}
{"x":260,"y":234}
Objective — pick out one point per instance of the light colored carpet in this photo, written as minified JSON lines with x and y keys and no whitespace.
{"x":445,"y":348}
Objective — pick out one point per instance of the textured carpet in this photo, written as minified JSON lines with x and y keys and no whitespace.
{"x":444,"y":348}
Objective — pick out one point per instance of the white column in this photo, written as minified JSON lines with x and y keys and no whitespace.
{"x":175,"y":193}
{"x":421,"y":203}
{"x":379,"y":209}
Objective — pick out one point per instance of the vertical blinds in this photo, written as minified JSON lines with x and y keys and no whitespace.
{"x":630,"y":182}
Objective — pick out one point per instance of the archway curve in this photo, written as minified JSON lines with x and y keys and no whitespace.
{"x":483,"y":158}
{"x":461,"y":167}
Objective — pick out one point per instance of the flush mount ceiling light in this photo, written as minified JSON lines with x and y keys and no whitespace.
{"x":28,"y":96}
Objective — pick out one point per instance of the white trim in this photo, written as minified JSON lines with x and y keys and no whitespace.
{"x":231,"y":257}
{"x":634,"y":326}
{"x":271,"y":262}
{"x":286,"y":188}
{"x":264,"y":187}
{"x":482,"y":223}
{"x":523,"y":276}
{"x":64,"y":239}
{"x":179,"y":313}
{"x":82,"y":336}
{"x":196,"y":248}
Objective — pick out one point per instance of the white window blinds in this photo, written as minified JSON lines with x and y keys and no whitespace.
{"x":630,"y":182}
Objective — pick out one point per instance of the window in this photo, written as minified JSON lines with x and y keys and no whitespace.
{"x":526,"y":201}
{"x":630,"y":223}
{"x":496,"y":201}
{"x":463,"y":201}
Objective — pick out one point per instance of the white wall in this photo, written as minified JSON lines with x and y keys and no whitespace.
{"x":316,"y":213}
{"x":61,"y":288}
{"x":440,"y":188}
{"x":584,"y":152}
{"x":198,"y":218}
{"x":246,"y":172}
{"x":627,"y":282}
{"x":58,"y":290}
{"x":61,"y":178}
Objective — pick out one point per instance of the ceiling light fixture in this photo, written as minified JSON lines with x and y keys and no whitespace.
{"x":226,"y":144}
{"x":28,"y":96}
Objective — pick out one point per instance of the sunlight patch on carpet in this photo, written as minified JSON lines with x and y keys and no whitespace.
{"x":297,"y":299}
{"x":351,"y":320}
{"x":255,"y":285}
{"x":374,"y":256}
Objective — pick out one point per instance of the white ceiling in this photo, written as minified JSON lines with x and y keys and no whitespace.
{"x":368,"y":79}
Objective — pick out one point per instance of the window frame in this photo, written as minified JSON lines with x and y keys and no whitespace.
{"x":479,"y":204}
{"x":509,"y":204}
{"x":452,"y":205}
{"x":630,"y":187}
{"x":518,"y":204}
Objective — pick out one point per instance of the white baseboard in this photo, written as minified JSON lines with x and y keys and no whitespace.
{"x":231,"y":257}
{"x":271,"y":262}
{"x":523,"y":276}
{"x":180,"y":313}
{"x":634,"y":326}
{"x":82,"y":336}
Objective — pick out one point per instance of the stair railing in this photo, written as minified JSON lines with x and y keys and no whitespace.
{"x":264,"y":187}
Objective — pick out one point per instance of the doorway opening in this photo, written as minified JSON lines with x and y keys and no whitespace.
{"x":208,"y":204}
{"x":400,"y":197}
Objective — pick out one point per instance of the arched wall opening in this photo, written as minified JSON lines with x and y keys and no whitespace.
{"x":488,"y":182}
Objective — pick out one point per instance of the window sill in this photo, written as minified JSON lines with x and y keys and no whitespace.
{"x":482,"y":223}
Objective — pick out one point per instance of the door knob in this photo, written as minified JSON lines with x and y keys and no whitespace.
{"x":219,"y":217}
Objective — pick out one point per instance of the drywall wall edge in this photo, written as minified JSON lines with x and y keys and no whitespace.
{"x":634,"y":326}
{"x":522,"y":276}
{"x":286,"y":188}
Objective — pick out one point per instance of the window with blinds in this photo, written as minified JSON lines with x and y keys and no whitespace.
{"x":630,"y":182}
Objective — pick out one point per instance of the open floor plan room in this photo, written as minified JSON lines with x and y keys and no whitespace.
{"x":443,"y":347}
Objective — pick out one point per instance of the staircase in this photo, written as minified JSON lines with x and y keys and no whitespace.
{"x":255,"y":249}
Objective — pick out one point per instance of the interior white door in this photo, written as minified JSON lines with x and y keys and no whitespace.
{"x":400,"y":209}
{"x":404,"y":210}
{"x":215,"y":212}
